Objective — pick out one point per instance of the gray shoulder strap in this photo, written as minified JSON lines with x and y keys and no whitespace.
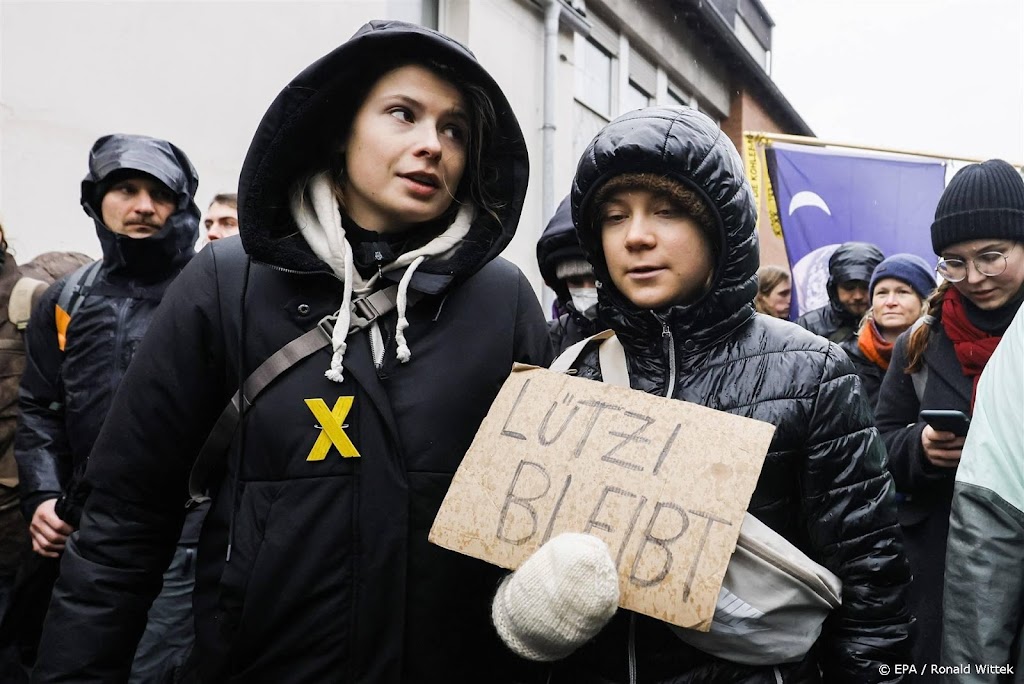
{"x":76,"y":287}
{"x":365,"y":311}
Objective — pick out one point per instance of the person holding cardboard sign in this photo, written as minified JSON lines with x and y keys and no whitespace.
{"x":667,"y":218}
{"x":376,"y":195}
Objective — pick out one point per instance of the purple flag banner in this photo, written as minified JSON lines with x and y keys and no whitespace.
{"x":826,"y":198}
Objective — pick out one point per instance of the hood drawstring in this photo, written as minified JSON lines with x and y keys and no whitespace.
{"x":318,"y":216}
{"x":404,"y":354}
{"x":340,"y":332}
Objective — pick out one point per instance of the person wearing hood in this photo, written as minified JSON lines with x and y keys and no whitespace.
{"x":663,"y":210}
{"x":565,"y":270}
{"x":377,"y":193}
{"x":898,"y":290}
{"x":139,"y":193}
{"x":978,"y":235}
{"x":849,"y":271}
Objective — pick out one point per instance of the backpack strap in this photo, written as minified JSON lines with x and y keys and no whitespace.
{"x":24,"y":294}
{"x":611,"y":357}
{"x":75,"y":289}
{"x":365,"y":311}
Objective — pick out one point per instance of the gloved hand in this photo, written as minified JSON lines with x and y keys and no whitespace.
{"x":559,"y":599}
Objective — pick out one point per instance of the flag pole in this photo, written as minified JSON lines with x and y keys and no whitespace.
{"x":817,"y":142}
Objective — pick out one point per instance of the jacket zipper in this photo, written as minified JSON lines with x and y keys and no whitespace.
{"x":282,"y":269}
{"x":376,"y":345}
{"x":668,"y":342}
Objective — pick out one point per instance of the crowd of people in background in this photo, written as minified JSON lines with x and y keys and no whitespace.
{"x":223,"y":464}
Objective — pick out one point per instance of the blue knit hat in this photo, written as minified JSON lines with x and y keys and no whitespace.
{"x":910,"y":268}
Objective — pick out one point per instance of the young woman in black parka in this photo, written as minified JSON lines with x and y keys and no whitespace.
{"x":395,"y":160}
{"x":978,"y":234}
{"x":667,"y":218}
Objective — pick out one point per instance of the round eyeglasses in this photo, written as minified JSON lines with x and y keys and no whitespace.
{"x":987,"y":264}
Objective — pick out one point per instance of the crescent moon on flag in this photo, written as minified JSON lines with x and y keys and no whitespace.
{"x":806,"y":198}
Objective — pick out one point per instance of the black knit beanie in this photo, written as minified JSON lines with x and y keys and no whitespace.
{"x":983,"y":201}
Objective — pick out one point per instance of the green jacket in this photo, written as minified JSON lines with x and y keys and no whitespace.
{"x":983,"y":622}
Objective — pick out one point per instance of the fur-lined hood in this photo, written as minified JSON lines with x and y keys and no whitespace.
{"x":296,"y":135}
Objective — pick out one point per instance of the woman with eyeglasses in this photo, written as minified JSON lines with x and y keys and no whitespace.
{"x":898,"y":290}
{"x":978,"y":233}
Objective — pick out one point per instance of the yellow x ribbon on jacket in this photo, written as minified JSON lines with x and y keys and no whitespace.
{"x":331,"y":422}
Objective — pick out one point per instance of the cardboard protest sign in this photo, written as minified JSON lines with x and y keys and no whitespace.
{"x":665,"y":483}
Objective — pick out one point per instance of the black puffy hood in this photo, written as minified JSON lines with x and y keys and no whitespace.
{"x":297,"y":133}
{"x":851,"y":261}
{"x":557,"y":243}
{"x":172,"y":247}
{"x":688,"y":147}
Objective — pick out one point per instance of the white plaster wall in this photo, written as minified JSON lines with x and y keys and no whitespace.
{"x":200,"y":74}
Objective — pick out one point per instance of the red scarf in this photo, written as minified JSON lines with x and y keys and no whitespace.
{"x":874,"y":346}
{"x":973,"y":346}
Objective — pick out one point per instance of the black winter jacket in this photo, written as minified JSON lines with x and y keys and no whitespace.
{"x":823,"y":486}
{"x":310,"y":569}
{"x":559,"y":242}
{"x":851,"y":261}
{"x":65,"y":395}
{"x":926,"y":490}
{"x":870,"y":373}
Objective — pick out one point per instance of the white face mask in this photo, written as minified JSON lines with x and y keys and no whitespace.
{"x":585,"y":300}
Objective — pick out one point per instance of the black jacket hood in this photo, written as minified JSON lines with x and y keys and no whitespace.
{"x":169,"y":249}
{"x":688,"y":147}
{"x":297,"y":133}
{"x":557,"y":243}
{"x":851,"y":261}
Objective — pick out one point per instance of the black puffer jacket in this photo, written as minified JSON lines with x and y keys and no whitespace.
{"x":310,"y":569}
{"x":852,"y":261}
{"x":824,"y":485}
{"x":870,"y":373}
{"x":65,"y":395}
{"x":559,"y":242}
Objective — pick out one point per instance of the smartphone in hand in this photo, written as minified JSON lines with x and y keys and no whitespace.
{"x":956,"y":422}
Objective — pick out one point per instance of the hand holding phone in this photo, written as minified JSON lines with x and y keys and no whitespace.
{"x":956,"y":422}
{"x":944,"y":452}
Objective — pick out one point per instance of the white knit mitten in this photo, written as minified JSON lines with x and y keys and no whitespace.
{"x":559,"y":599}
